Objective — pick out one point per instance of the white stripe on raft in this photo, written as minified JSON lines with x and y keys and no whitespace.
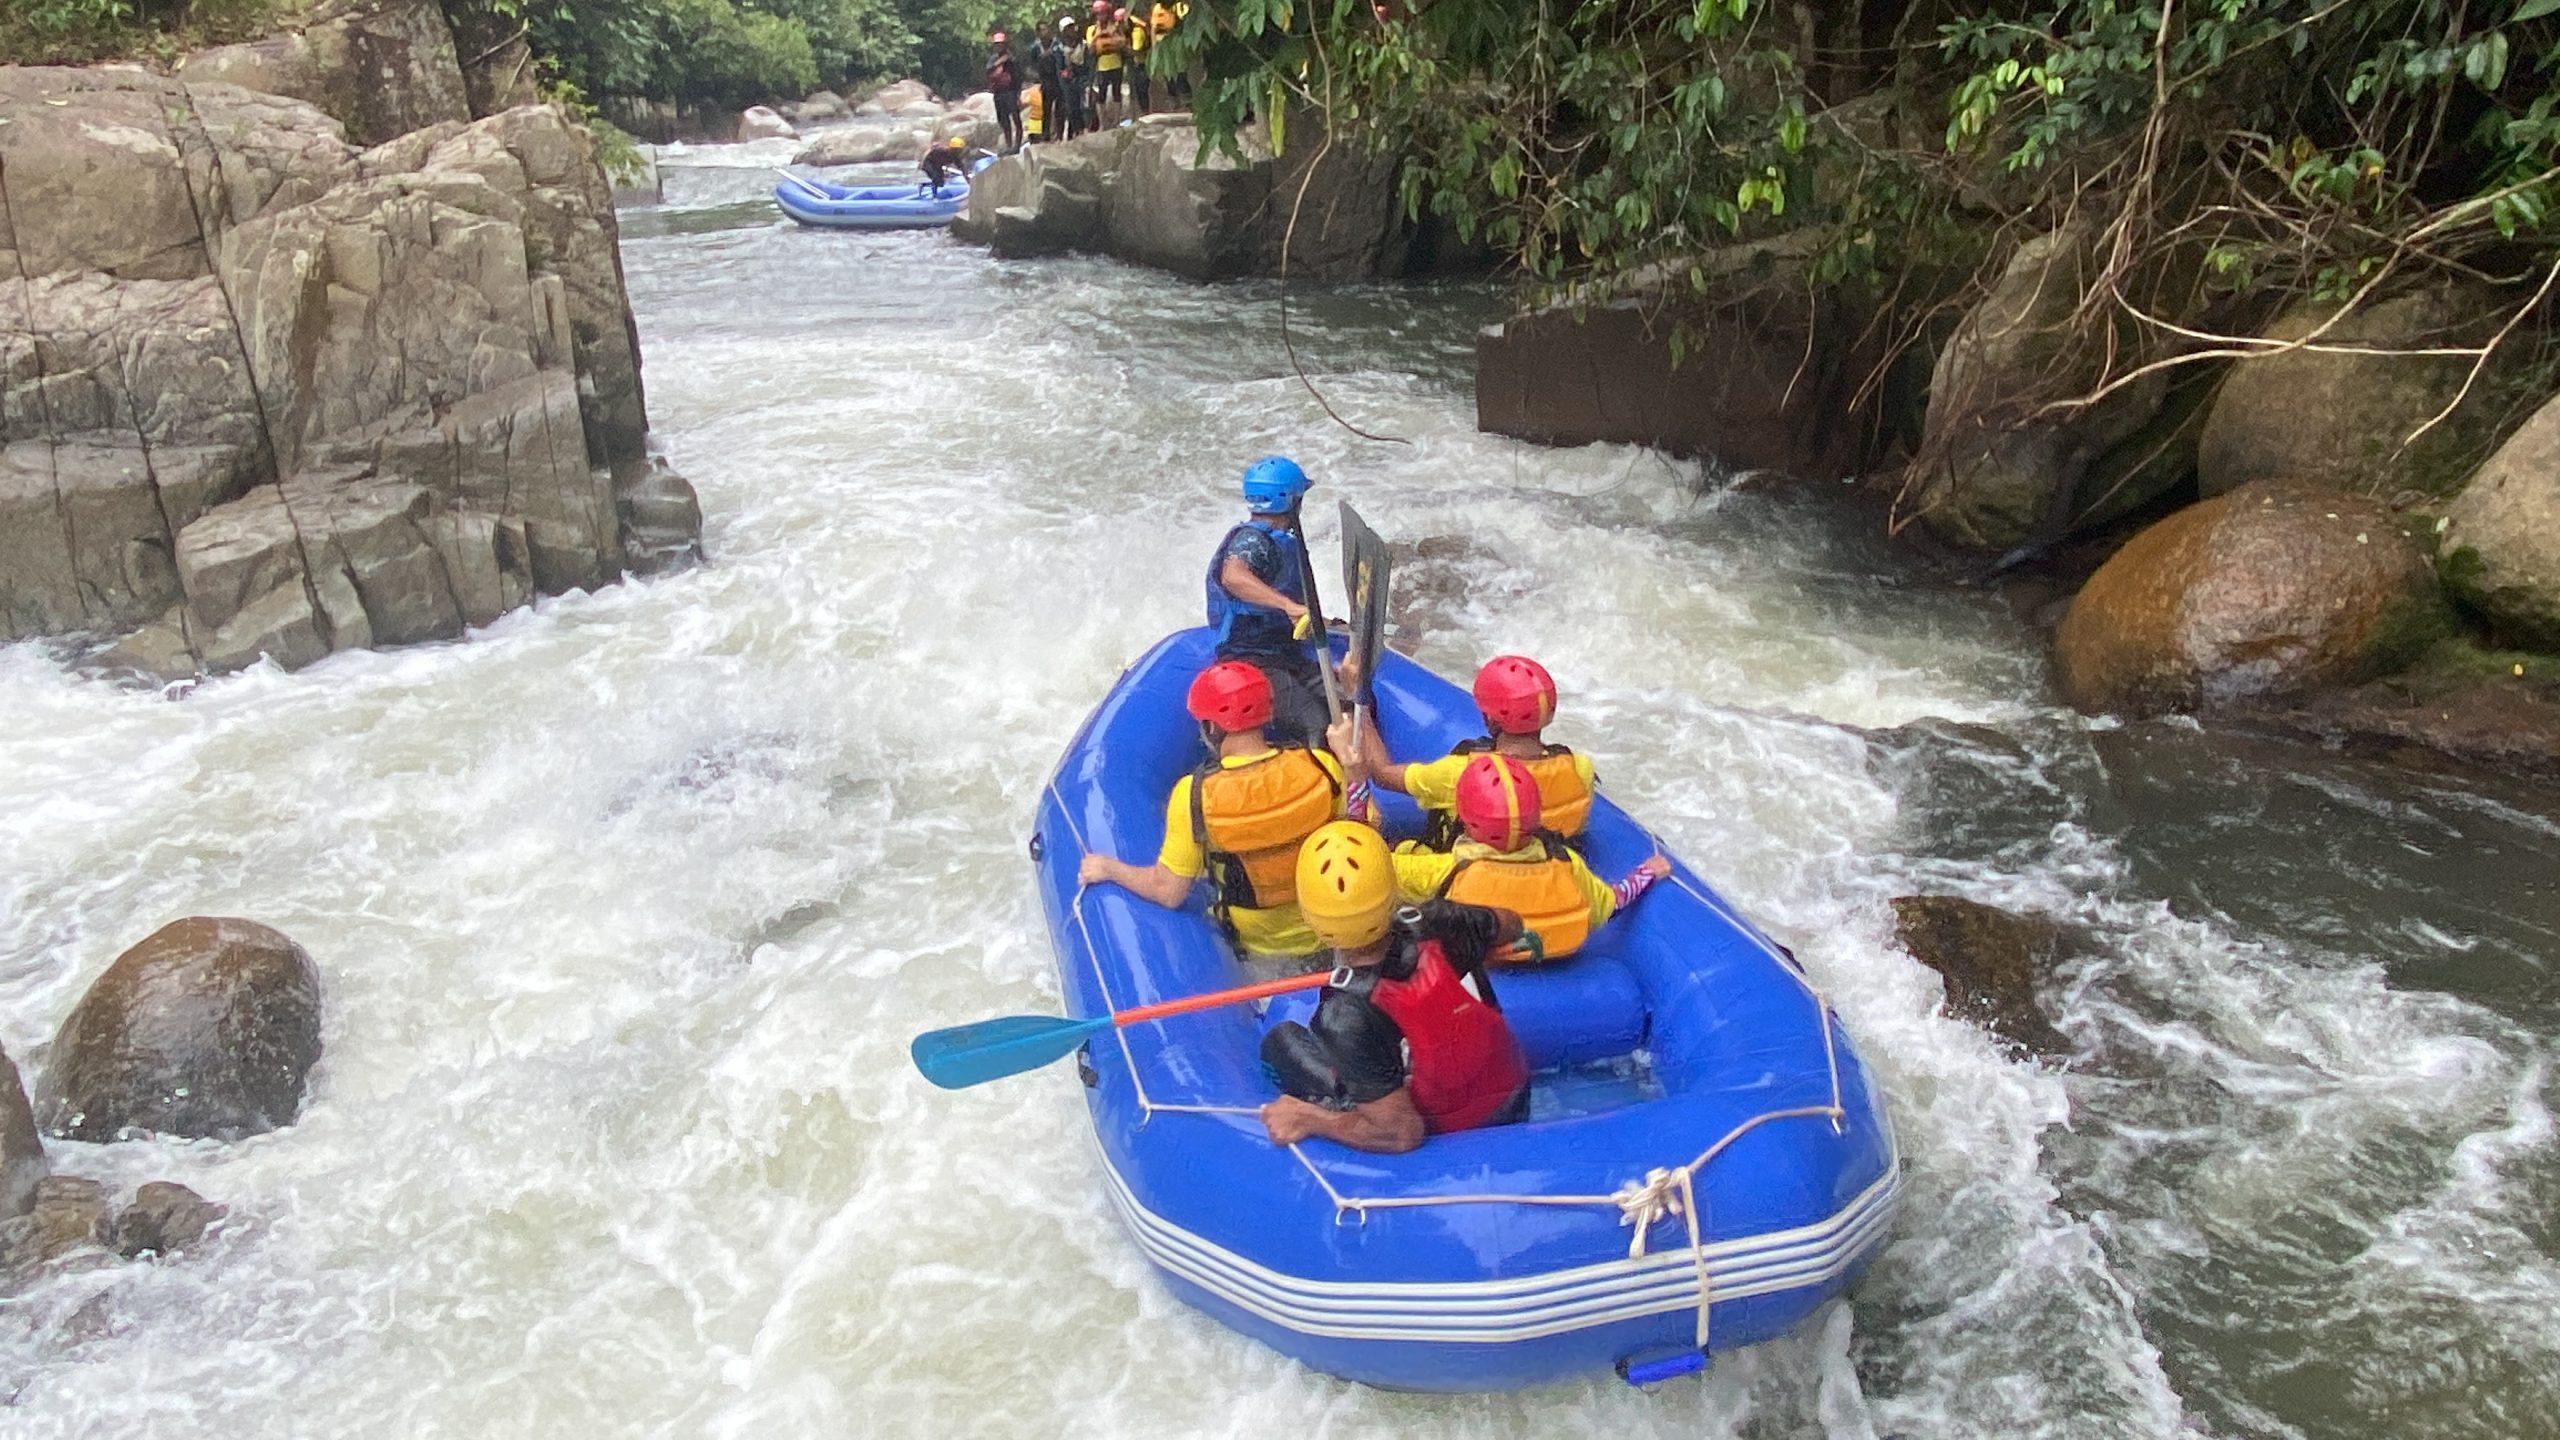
{"x":1522,"y":1308}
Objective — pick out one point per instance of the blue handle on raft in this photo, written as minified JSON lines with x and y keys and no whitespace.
{"x":1641,"y":1373}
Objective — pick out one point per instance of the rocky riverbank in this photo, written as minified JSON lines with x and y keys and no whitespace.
{"x":275,"y":392}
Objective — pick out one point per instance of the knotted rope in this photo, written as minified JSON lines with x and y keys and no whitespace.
{"x":1662,"y":1193}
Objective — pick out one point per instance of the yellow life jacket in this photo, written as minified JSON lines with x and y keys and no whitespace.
{"x":1564,"y":801}
{"x":1250,"y":819}
{"x":1139,"y":31}
{"x":1542,"y":892}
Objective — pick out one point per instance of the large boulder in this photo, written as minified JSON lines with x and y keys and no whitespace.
{"x":381,"y":67}
{"x":2271,"y":591}
{"x":892,"y":98}
{"x":1997,"y":469}
{"x":863,"y":145}
{"x":2502,"y":534}
{"x":22,"y":1161}
{"x":1769,"y":377}
{"x":979,"y":130}
{"x":207,"y":1028}
{"x":1146,"y":193}
{"x":821,"y":105}
{"x":2344,"y":421}
{"x":759,"y":122}
{"x":262,"y":393}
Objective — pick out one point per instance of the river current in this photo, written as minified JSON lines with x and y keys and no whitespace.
{"x":628,"y":905}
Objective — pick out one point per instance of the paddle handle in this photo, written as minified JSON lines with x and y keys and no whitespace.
{"x":1315,"y":607}
{"x":1212,"y":1001}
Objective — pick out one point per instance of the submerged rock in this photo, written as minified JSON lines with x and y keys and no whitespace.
{"x":22,"y":1162}
{"x":1992,"y":962}
{"x":2269,"y":591}
{"x":207,"y":1028}
{"x":165,"y":1218}
{"x":2343,"y":422}
{"x":69,"y":1214}
{"x":2502,"y":534}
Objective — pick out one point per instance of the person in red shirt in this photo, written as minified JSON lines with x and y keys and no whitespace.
{"x":1409,"y":1041}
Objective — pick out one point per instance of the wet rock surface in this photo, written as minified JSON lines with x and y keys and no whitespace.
{"x":2344,"y":421}
{"x":22,"y":1162}
{"x":1992,"y":962}
{"x":70,"y":1214}
{"x":165,"y":1218}
{"x":2501,"y":544}
{"x":207,"y":1028}
{"x":2271,"y":591}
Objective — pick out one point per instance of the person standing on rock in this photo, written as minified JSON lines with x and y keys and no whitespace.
{"x":1110,"y":49}
{"x":1075,"y":76}
{"x":1257,"y":594}
{"x":1141,"y":36}
{"x":1048,"y":65}
{"x":1004,"y":82}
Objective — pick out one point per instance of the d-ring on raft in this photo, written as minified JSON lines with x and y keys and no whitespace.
{"x":1706,"y":1161}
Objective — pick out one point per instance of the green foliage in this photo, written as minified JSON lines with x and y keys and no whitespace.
{"x":739,"y":52}
{"x":41,"y":32}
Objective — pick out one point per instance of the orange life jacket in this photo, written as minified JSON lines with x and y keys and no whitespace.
{"x":1542,"y":892}
{"x":1564,"y":801}
{"x":1250,"y":819}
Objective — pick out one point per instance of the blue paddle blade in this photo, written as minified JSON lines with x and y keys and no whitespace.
{"x":967,"y":1055}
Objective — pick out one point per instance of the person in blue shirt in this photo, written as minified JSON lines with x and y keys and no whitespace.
{"x":1257,"y":593}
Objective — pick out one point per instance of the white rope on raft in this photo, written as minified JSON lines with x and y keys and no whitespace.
{"x":1662,"y":1193}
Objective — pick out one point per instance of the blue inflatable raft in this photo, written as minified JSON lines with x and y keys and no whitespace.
{"x":871,"y":207}
{"x":1706,"y":1160}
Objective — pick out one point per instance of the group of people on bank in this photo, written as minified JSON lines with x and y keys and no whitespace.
{"x":1079,"y":74}
{"x":1280,"y":820}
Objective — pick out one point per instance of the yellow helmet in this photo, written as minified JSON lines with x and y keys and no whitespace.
{"x":1346,"y":884}
{"x":959,"y":143}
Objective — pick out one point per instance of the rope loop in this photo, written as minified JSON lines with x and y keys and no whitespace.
{"x":1660,"y":1194}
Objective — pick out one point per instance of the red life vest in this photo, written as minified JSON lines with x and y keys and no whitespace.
{"x":1464,"y":1067}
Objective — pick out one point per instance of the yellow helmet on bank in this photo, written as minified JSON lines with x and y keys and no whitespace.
{"x":1346,"y":884}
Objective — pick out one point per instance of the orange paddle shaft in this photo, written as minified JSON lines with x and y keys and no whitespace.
{"x":1213,"y":1000}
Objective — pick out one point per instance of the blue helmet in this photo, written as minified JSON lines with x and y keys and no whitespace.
{"x":1273,"y":484}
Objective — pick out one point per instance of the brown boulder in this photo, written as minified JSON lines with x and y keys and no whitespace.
{"x":70,"y":1213}
{"x":165,"y":1218}
{"x":22,"y":1162}
{"x":1992,"y":962}
{"x":2269,"y":591}
{"x":206,"y":1028}
{"x":2502,"y":534}
{"x":2343,"y":421}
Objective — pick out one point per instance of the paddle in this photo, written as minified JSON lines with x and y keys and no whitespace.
{"x":1366,"y":568}
{"x":966,"y":1055}
{"x":1315,"y":612}
{"x":803,"y":182}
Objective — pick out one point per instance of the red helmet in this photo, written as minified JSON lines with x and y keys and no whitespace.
{"x":1516,"y":694}
{"x":1498,"y":802}
{"x":1232,"y":696}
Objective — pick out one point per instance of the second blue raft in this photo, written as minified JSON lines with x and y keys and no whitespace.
{"x":1707,"y":1160}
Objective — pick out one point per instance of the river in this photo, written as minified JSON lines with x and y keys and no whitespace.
{"x":629,"y":905}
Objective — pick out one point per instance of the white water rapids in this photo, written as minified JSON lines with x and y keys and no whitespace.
{"x":628,"y":905}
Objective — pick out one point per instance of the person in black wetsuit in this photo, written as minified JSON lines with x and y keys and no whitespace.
{"x":1409,"y":1041}
{"x":1257,"y":600}
{"x":1048,"y":66}
{"x":942,"y":161}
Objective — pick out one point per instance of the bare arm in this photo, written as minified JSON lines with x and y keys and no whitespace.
{"x":1239,"y":580}
{"x":1388,"y":1125}
{"x":1148,"y":882}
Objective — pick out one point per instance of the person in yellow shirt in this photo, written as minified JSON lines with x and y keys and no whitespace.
{"x":1506,"y":861}
{"x":1517,"y":698}
{"x":1035,"y":109}
{"x":1110,"y":50}
{"x":1141,"y":35}
{"x":1240,"y":820}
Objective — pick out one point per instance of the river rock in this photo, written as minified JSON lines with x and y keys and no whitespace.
{"x":165,"y":1218}
{"x":381,"y":67}
{"x":863,"y":145}
{"x":2342,"y":422}
{"x":436,"y":326}
{"x":1992,"y":962}
{"x":2267,"y":592}
{"x":894,"y":97}
{"x":22,"y":1161}
{"x":2502,"y":534}
{"x":1996,"y":472}
{"x":979,"y":130}
{"x":70,"y":1213}
{"x":207,"y":1028}
{"x":820,"y":105}
{"x":661,"y":517}
{"x":1145,"y":193}
{"x":1768,"y":381}
{"x":759,"y":122}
